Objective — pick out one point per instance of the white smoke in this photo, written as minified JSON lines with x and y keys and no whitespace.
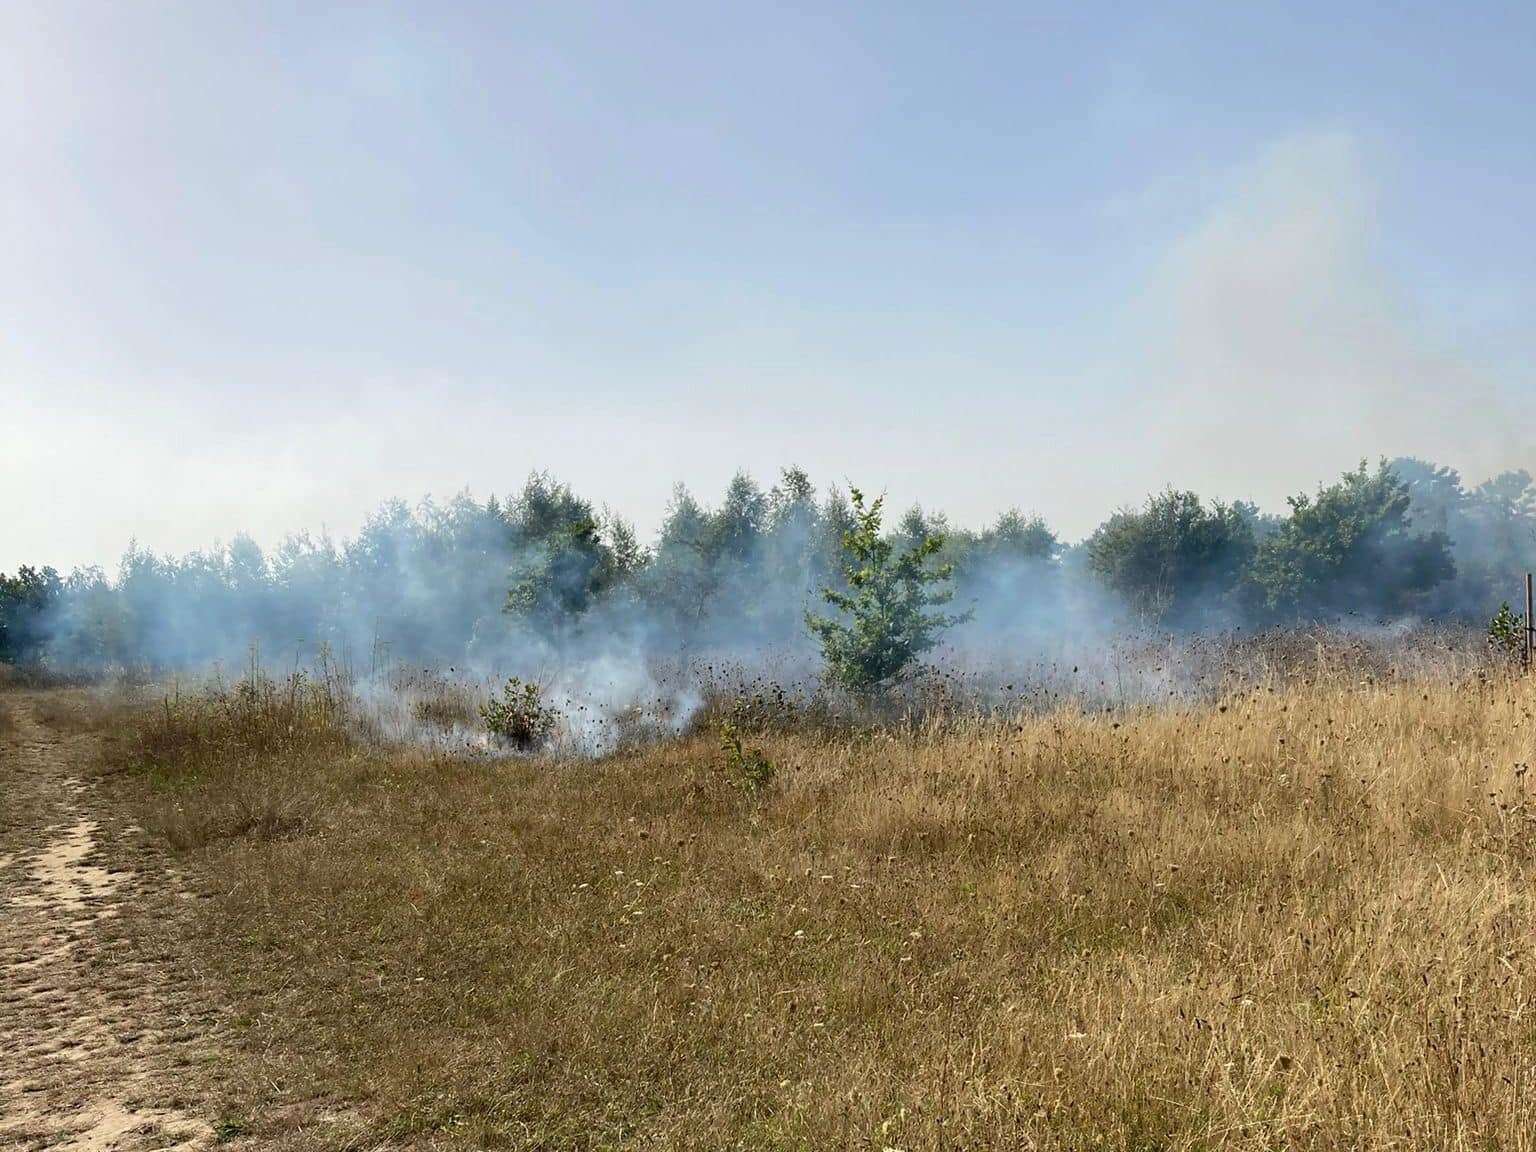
{"x":1287,"y":348}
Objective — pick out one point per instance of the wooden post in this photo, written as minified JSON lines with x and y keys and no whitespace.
{"x":1525,"y":657}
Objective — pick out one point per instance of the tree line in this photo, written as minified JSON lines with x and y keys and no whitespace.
{"x":548,"y":572}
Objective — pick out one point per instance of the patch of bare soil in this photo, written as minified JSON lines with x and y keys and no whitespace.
{"x":97,"y":1031}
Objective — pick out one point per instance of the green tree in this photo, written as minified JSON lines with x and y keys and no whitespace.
{"x":1351,"y":549}
{"x":1016,"y":537}
{"x":791,"y":535}
{"x":733,"y":531}
{"x":629,"y":555}
{"x":1497,"y":536}
{"x":563,"y":565}
{"x":1173,"y":559}
{"x":886,"y":617}
{"x":1436,"y":499}
{"x":27,"y":603}
{"x":561,"y":576}
{"x":679,"y":581}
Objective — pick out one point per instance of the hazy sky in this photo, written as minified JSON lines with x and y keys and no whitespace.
{"x":264,"y":266}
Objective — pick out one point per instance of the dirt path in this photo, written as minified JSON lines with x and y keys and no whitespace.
{"x":97,"y":1029}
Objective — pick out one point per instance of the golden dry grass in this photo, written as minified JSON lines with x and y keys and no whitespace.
{"x":1302,"y":919}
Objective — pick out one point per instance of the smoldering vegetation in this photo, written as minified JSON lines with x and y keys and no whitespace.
{"x":1297,"y":916}
{"x":429,"y":608}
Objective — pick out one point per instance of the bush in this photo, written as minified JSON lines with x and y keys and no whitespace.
{"x":518,"y":717}
{"x":746,"y":768}
{"x":1506,"y":631}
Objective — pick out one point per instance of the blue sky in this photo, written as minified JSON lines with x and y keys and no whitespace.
{"x":268,"y":265}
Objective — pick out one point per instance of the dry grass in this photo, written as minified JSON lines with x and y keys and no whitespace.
{"x":1299,"y":919}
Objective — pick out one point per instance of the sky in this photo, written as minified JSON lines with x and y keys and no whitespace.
{"x":265,"y":266}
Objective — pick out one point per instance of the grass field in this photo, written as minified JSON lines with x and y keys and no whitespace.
{"x":1298,"y":917}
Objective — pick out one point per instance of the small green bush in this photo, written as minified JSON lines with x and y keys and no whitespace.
{"x":746,"y":768}
{"x":1506,"y":631}
{"x":518,"y":717}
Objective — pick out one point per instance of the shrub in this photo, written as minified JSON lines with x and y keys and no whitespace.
{"x":1506,"y":631}
{"x":746,"y":768}
{"x":518,"y":717}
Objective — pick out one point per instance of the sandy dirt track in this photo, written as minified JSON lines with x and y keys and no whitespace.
{"x":100,"y":1021}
